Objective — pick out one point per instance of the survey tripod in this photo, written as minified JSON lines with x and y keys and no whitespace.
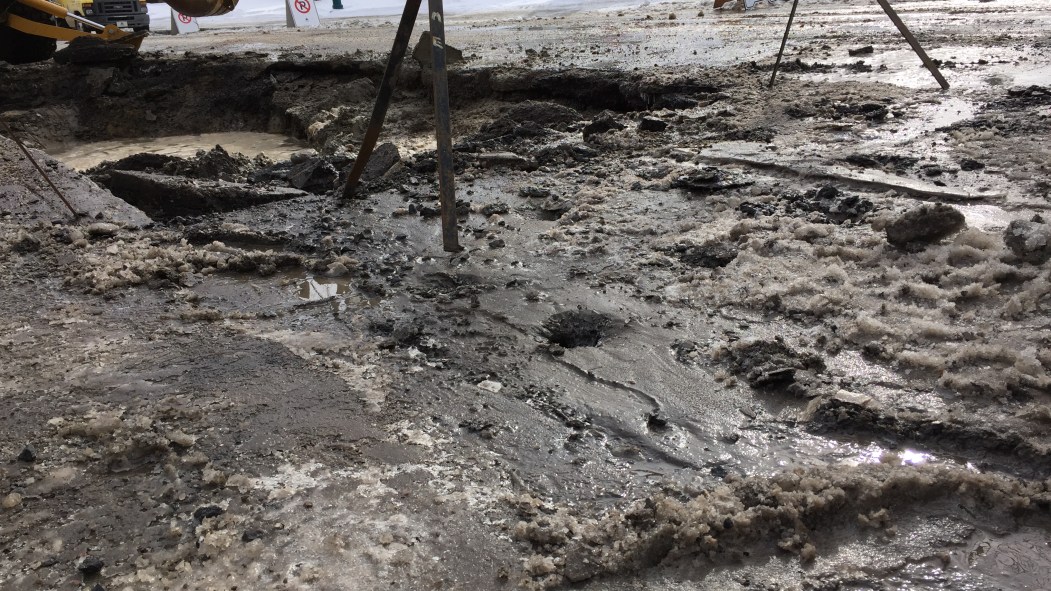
{"x":443,"y":125}
{"x":894,"y":18}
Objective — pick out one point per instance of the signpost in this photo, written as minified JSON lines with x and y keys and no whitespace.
{"x":301,"y":14}
{"x":182,"y":24}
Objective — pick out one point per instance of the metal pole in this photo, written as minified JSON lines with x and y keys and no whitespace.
{"x":68,"y":205}
{"x":784,"y":41}
{"x":446,"y":182}
{"x":379,"y":112}
{"x":914,"y":43}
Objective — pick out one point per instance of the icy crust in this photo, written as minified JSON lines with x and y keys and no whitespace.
{"x":965,"y":309}
{"x":101,"y":257}
{"x":754,"y":516}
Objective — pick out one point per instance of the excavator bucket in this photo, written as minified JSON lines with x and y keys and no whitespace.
{"x":107,"y":34}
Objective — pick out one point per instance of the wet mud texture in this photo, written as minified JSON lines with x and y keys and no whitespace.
{"x":651,"y":368}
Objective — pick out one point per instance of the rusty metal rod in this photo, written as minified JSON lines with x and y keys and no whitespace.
{"x":379,"y":112}
{"x":914,"y":43}
{"x":443,"y":129}
{"x":40,"y":169}
{"x":784,"y":41}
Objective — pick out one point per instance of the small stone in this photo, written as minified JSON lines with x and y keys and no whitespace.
{"x":252,"y":534}
{"x":866,"y":50}
{"x":98,"y":587}
{"x":11,"y":501}
{"x":605,"y":122}
{"x":102,"y":229}
{"x":207,"y":511}
{"x":925,"y":225}
{"x":1029,"y":240}
{"x":491,"y":386}
{"x":28,"y":454}
{"x":498,"y":243}
{"x":652,"y":124}
{"x":968,"y":164}
{"x":91,"y":565}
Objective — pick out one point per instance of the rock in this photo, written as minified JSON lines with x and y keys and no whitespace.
{"x":167,"y":197}
{"x":28,"y":454}
{"x":491,"y":386}
{"x":708,"y":180}
{"x":11,"y":501}
{"x":91,"y":565}
{"x":532,"y":192}
{"x":652,"y":124}
{"x":506,"y":160}
{"x":968,"y":164}
{"x":303,"y":156}
{"x":102,"y":229}
{"x":710,"y":255}
{"x":498,"y":208}
{"x":497,"y":243}
{"x":314,"y":175}
{"x":423,"y":55}
{"x":556,"y":206}
{"x":605,"y":122}
{"x":383,"y":158}
{"x":768,"y":363}
{"x":836,"y":206}
{"x":252,"y":534}
{"x":925,"y":224}
{"x":866,"y":50}
{"x":1029,"y":240}
{"x":207,"y":511}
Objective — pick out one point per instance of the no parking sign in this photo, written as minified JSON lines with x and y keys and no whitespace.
{"x":302,"y":14}
{"x":182,"y":24}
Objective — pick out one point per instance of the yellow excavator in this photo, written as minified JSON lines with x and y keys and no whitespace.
{"x":30,"y":29}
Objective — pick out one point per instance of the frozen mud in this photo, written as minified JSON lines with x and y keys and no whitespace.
{"x":703,"y":335}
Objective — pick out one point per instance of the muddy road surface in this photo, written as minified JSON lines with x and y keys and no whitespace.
{"x":703,"y":334}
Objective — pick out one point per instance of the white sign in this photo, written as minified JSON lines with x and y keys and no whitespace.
{"x":302,"y":14}
{"x":182,"y":24}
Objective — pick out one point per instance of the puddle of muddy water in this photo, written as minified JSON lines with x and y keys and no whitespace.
{"x":275,"y":146}
{"x":342,"y":296}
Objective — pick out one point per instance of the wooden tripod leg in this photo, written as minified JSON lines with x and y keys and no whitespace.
{"x":784,"y":41}
{"x":443,"y":129}
{"x":914,"y":43}
{"x":379,"y":112}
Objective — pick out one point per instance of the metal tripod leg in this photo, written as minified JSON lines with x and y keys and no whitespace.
{"x":446,"y":182}
{"x":784,"y":41}
{"x":914,"y":43}
{"x":379,"y":112}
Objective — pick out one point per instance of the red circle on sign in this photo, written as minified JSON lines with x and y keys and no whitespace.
{"x":184,"y":19}
{"x":302,"y":6}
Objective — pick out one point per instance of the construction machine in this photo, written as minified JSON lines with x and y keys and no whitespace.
{"x":30,"y":29}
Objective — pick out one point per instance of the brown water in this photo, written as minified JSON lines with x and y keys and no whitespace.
{"x":277,"y":147}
